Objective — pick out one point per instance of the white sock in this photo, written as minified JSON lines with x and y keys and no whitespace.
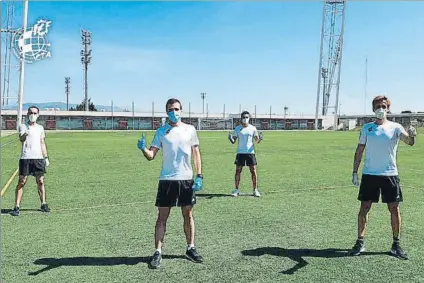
{"x":190,"y":246}
{"x":159,"y":250}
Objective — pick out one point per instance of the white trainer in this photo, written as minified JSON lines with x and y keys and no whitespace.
{"x":235,"y":193}
{"x":256,"y":193}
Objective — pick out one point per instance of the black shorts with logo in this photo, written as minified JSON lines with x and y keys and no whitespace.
{"x":373,"y":185}
{"x":245,"y":159}
{"x":33,"y":167}
{"x":175,"y":193}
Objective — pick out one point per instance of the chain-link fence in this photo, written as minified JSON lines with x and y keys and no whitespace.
{"x":51,"y":122}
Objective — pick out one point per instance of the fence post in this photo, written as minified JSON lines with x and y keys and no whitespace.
{"x":112,"y":113}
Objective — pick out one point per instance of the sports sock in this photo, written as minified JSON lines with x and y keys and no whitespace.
{"x":396,"y":240}
{"x":190,"y":246}
{"x":159,"y":250}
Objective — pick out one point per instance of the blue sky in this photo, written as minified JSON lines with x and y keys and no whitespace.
{"x":248,"y":53}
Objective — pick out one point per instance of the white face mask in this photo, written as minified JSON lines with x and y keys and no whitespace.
{"x":380,"y":113}
{"x":33,"y":117}
{"x":245,"y":120}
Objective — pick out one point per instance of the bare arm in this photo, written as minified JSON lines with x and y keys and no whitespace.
{"x":44,"y":148}
{"x":150,"y":153}
{"x":196,"y":159}
{"x":358,"y":157}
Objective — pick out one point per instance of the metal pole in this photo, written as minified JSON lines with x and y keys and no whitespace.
{"x":22,"y":69}
{"x":189,"y":112}
{"x":153,"y":114}
{"x":203,"y":96}
{"x":207,"y":110}
{"x":86,"y":86}
{"x":112,"y":113}
{"x":270,"y":121}
{"x":86,"y":60}
{"x":225,"y":122}
{"x":320,"y":66}
{"x":366,"y":84}
{"x":133,"y":115}
{"x":67,"y":90}
{"x":336,"y":116}
{"x":255,"y":114}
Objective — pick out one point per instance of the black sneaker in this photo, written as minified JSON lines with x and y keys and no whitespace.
{"x":357,"y":249}
{"x":45,"y":208}
{"x":156,"y":259}
{"x":398,"y":252}
{"x":15,"y":211}
{"x":192,"y":255}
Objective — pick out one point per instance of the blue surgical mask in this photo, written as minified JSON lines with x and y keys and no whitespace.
{"x":174,"y":116}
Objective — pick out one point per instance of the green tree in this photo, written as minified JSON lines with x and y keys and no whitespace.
{"x":81,"y":106}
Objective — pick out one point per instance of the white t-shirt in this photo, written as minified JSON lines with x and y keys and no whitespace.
{"x":381,"y":144}
{"x":245,"y":136}
{"x":176,"y":143}
{"x":31,"y":147}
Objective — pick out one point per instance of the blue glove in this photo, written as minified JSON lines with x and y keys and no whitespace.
{"x":261,"y":136}
{"x":198,"y":183}
{"x":142,"y":142}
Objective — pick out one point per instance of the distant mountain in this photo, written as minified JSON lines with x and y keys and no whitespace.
{"x":60,"y":105}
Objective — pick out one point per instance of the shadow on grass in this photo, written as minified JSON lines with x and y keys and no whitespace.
{"x":8,"y":210}
{"x":209,"y":196}
{"x":298,"y":255}
{"x":53,"y":263}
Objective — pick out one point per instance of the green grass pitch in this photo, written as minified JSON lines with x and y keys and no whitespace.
{"x":101,"y":191}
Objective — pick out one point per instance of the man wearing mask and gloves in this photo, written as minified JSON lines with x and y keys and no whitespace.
{"x":380,"y":140}
{"x":176,"y":187}
{"x":245,"y":134}
{"x":33,"y":160}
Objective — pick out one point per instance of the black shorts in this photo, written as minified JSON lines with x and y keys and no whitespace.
{"x":175,"y":193}
{"x":245,"y":159}
{"x":33,"y":167}
{"x":372,"y":186}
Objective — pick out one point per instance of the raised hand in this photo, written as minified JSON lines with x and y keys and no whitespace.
{"x":412,"y":132}
{"x":142,"y":142}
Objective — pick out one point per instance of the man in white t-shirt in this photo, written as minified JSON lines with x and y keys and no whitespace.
{"x":176,"y":186}
{"x":380,"y":140}
{"x":246,"y":134}
{"x":33,"y":160}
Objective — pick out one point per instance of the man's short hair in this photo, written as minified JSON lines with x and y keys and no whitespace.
{"x":38,"y":110}
{"x":378,"y":99}
{"x":172,"y":101}
{"x":244,"y":113}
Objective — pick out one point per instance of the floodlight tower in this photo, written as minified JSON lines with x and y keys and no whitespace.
{"x":203,"y":96}
{"x":67,"y":91}
{"x":332,"y":32}
{"x":86,"y":60}
{"x":12,"y":21}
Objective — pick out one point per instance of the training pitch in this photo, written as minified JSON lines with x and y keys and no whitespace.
{"x":101,"y":228}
